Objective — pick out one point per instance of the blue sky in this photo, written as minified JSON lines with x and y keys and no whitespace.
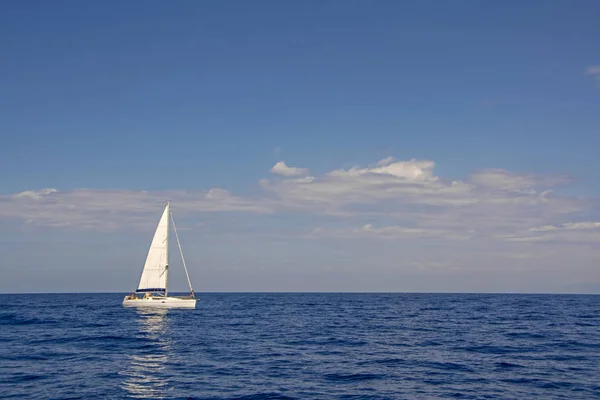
{"x":118,"y":107}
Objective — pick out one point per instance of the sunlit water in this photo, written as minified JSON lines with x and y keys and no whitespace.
{"x":302,"y":346}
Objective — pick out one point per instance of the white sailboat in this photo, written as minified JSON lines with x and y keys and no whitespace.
{"x":154,"y":280}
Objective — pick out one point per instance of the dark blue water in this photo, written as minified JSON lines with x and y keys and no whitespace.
{"x":302,"y":346}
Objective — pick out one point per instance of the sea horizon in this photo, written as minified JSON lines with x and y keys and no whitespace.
{"x":197,"y":292}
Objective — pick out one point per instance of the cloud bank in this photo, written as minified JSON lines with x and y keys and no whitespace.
{"x":493,"y":229}
{"x":390,"y":199}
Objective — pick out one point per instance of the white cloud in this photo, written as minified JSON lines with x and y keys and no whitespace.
{"x":581,"y":225}
{"x":388,"y":232}
{"x":407,"y":232}
{"x":500,"y":179}
{"x":385,"y":161}
{"x":114,"y":209}
{"x":594,"y":72}
{"x":36,"y":195}
{"x":568,"y":226}
{"x":390,"y":184}
{"x":412,"y":170}
{"x":281,"y":169}
{"x":391,"y":199}
{"x":409,"y":189}
{"x":568,"y":232}
{"x":503,"y":180}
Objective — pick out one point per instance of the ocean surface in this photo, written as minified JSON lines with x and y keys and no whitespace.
{"x":302,"y":346}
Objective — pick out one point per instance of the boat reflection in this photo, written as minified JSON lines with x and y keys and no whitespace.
{"x":144,"y":375}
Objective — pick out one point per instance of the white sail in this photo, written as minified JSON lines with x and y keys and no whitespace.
{"x":154,"y":275}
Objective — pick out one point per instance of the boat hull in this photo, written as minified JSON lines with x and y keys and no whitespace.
{"x":160,"y":302}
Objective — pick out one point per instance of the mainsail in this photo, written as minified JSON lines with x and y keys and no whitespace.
{"x":154,"y":275}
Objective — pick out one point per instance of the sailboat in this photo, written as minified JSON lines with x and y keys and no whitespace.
{"x":154,"y":279}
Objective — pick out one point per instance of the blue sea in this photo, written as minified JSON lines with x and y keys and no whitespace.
{"x":302,"y":346}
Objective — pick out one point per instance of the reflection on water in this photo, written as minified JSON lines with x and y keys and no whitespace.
{"x":144,"y":373}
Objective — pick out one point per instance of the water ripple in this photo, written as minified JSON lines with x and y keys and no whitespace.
{"x":298,"y":346}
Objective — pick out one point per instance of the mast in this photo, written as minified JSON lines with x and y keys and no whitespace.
{"x":182,"y":259}
{"x":167,"y":252}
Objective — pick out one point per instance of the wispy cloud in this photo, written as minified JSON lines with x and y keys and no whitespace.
{"x":392,"y":232}
{"x":583,"y":232}
{"x":504,"y":180}
{"x":594,"y":72}
{"x":114,"y":209}
{"x":569,"y":226}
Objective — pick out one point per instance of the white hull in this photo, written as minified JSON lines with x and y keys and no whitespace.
{"x":160,"y":302}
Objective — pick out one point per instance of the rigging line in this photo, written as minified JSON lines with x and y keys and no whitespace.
{"x":181,"y":252}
